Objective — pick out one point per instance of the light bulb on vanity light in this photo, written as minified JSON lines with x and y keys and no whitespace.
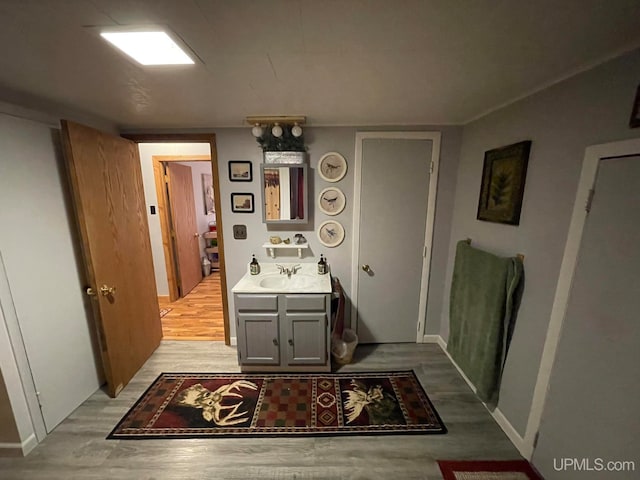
{"x":276,"y":131}
{"x":296,"y":130}
{"x":256,"y":130}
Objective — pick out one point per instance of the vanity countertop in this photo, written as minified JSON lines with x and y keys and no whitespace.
{"x":269,"y":280}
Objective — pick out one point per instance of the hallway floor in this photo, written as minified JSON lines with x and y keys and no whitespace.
{"x":198,"y":315}
{"x":77,"y":448}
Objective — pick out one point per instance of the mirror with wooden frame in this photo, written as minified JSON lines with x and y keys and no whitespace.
{"x":284,"y":193}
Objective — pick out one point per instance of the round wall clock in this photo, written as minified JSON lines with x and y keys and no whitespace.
{"x":331,"y":201}
{"x":332,"y":167}
{"x":330,"y":233}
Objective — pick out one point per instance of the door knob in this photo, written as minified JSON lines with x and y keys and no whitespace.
{"x":366,"y":268}
{"x":106,"y":291}
{"x":197,"y":235}
{"x":91,"y":292}
{"x":275,"y":342}
{"x":291,"y":342}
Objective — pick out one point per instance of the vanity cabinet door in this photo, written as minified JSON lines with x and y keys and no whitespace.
{"x":306,"y":342}
{"x":258,"y":338}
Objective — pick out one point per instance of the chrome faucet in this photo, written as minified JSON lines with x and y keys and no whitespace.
{"x":288,"y":270}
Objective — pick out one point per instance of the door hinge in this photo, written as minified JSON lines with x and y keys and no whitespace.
{"x":587,"y":207}
{"x":535,"y":439}
{"x":39,"y":397}
{"x":419,"y":327}
{"x":431,"y":167}
{"x":166,"y":179}
{"x":424,"y":252}
{"x":173,"y":233}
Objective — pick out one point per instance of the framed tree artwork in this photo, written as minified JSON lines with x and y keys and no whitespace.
{"x":503,"y":178}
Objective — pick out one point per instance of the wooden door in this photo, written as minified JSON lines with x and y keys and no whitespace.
{"x":185,"y":229}
{"x":393,"y":214}
{"x":106,"y":183}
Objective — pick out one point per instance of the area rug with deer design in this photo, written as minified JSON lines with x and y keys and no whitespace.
{"x":197,"y":405}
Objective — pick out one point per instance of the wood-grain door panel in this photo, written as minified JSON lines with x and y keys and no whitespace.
{"x":106,"y":182}
{"x":185,"y":227}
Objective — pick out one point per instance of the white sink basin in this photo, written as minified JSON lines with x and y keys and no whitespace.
{"x":296,"y":281}
{"x":270,"y":280}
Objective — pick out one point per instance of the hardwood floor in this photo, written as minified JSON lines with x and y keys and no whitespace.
{"x":77,"y":448}
{"x":198,"y":315}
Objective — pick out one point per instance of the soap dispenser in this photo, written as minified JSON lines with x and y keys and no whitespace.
{"x":322,"y":265}
{"x":254,"y":266}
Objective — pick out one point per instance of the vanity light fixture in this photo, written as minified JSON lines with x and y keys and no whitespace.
{"x":278,"y":133}
{"x":148,"y":47}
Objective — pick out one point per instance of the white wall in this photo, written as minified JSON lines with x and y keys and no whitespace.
{"x":239,"y":144}
{"x":593,"y":107}
{"x":147,"y":151}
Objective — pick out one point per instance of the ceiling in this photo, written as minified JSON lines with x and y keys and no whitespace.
{"x":339,"y":62}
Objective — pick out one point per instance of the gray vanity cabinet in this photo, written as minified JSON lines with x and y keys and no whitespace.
{"x":283,"y":332}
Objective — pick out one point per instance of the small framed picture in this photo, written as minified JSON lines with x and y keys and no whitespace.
{"x":331,"y":201}
{"x":242,"y":202}
{"x":240,"y":171}
{"x":332,"y":167}
{"x":331,"y":233}
{"x":634,"y":121}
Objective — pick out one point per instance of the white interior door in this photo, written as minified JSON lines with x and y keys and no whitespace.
{"x":595,"y":382}
{"x":41,"y":289}
{"x":393,"y":238}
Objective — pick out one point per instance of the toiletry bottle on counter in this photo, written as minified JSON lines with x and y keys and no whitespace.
{"x":322,"y":265}
{"x":254,"y":266}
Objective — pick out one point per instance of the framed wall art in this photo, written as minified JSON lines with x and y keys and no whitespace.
{"x":332,"y":167}
{"x":331,"y":233}
{"x":503,"y":178}
{"x":242,"y":203}
{"x":331,"y":201}
{"x":207,"y":193}
{"x":240,"y":171}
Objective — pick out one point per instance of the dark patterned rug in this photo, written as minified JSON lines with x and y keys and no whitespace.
{"x":184,"y":405}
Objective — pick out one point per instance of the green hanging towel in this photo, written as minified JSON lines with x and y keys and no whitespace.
{"x":483,"y":291}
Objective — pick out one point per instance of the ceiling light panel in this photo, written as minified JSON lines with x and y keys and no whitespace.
{"x":149,"y":48}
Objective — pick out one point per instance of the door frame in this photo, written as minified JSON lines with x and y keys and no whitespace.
{"x":435,"y":138}
{"x":163,"y":211}
{"x":209,"y":138}
{"x":592,"y":158}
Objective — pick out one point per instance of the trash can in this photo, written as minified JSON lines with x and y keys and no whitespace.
{"x":206,"y":267}
{"x":342,"y":348}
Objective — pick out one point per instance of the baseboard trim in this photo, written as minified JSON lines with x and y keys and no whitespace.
{"x":497,"y":415}
{"x":18,"y":449}
{"x":163,"y":298}
{"x":233,"y":341}
{"x":430,"y":338}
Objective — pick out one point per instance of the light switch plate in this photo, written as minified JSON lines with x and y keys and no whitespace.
{"x":240,"y":232}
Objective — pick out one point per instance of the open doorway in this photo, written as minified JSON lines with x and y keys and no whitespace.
{"x":186,"y":206}
{"x":191,"y":297}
